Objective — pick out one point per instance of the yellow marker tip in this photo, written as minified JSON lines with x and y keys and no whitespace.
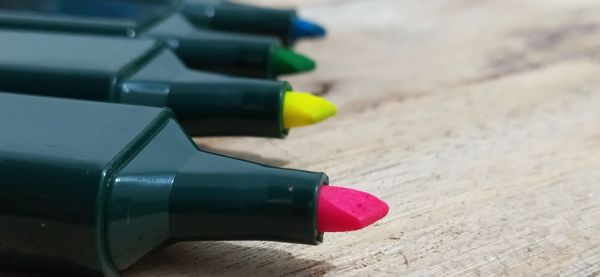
{"x":302,"y":108}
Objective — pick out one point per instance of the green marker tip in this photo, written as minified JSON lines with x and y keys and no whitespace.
{"x":286,"y":61}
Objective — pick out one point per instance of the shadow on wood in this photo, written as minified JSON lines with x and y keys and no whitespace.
{"x":244,"y":155}
{"x":225,"y":259}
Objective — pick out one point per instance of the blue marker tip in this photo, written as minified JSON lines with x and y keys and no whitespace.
{"x":305,"y":29}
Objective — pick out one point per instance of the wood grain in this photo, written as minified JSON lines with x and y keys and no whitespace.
{"x":477,"y":121}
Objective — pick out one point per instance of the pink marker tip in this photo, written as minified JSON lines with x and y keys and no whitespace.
{"x":342,"y":209}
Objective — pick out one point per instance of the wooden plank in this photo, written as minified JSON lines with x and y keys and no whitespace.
{"x":477,"y":121}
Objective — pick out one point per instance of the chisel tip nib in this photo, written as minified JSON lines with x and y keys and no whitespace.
{"x":302,"y":109}
{"x":302,"y":28}
{"x":286,"y":61}
{"x":343,"y":209}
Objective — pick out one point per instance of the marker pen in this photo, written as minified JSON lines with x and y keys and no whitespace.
{"x":143,"y":72}
{"x":93,"y":192}
{"x":231,"y":53}
{"x":230,"y":16}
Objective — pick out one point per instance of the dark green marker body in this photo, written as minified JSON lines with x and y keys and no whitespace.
{"x":237,"y":54}
{"x":140,"y":72}
{"x":92,"y":192}
{"x":235,"y":17}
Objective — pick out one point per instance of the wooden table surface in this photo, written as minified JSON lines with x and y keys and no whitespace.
{"x":477,"y":121}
